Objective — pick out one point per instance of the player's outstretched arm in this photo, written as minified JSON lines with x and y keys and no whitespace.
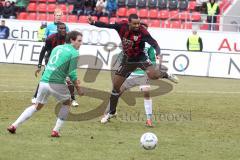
{"x":91,"y":21}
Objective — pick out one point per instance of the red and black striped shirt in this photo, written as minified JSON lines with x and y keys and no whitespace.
{"x":51,"y":42}
{"x":133,"y":42}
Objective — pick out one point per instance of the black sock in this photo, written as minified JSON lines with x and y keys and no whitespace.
{"x":164,"y":75}
{"x":113,"y":102}
{"x":73,"y":97}
{"x":71,"y":89}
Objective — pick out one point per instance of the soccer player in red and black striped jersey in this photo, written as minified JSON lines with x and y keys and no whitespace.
{"x":51,"y":42}
{"x":133,"y":36}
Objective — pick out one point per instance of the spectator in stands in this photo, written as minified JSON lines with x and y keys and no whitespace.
{"x":194,"y":42}
{"x":21,"y":5}
{"x":41,"y":32}
{"x":111,"y":8}
{"x":52,"y":27}
{"x":4,"y":30}
{"x":78,"y":7}
{"x":8,"y":11}
{"x":89,"y":6}
{"x":212,"y":11}
{"x":199,"y":4}
{"x":100,"y":8}
{"x":1,"y":9}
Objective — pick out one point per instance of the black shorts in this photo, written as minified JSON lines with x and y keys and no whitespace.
{"x":128,"y":65}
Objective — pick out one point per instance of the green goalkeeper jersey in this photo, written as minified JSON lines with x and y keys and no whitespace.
{"x":62,"y":63}
{"x":152,"y":57}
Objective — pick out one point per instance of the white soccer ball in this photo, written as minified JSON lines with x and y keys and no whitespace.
{"x":149,"y":141}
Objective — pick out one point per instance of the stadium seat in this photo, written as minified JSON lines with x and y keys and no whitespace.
{"x":165,"y":24}
{"x":154,"y":23}
{"x":196,"y":17}
{"x":144,"y":21}
{"x":42,"y":7}
{"x":64,"y":18}
{"x":176,"y":24}
{"x":113,"y":20}
{"x":162,"y":4}
{"x":50,"y":17}
{"x":83,"y":19}
{"x":131,"y":11}
{"x":42,"y":17}
{"x":122,"y":12}
{"x":142,"y":3}
{"x":51,"y":8}
{"x":121,"y":3}
{"x":204,"y":27}
{"x":184,"y":16}
{"x":187,"y":25}
{"x":95,"y":18}
{"x":72,"y":19}
{"x":183,"y":5}
{"x":163,"y":14}
{"x":104,"y":19}
{"x":122,"y":19}
{"x":172,"y":4}
{"x":152,"y":4}
{"x":51,"y":1}
{"x":174,"y":15}
{"x":131,"y":3}
{"x":143,"y":13}
{"x":70,"y":8}
{"x":32,"y":7}
{"x":63,"y":7}
{"x":191,"y":5}
{"x":153,"y":13}
{"x":23,"y":15}
{"x":32,"y":16}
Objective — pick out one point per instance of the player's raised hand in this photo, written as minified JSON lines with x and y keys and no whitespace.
{"x":90,"y":19}
{"x":37,"y":72}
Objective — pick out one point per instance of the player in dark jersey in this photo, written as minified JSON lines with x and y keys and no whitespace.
{"x":133,"y":37}
{"x":51,"y":42}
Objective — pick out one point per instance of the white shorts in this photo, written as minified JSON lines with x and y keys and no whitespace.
{"x":133,"y":81}
{"x":59,"y":91}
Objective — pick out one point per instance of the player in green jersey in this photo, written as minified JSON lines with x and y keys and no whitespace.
{"x":62,"y":63}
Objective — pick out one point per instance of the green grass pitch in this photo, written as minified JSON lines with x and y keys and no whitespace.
{"x":200,"y":120}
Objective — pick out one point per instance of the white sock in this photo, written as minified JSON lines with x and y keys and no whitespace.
{"x":58,"y":125}
{"x":62,"y":116}
{"x":27,"y":113}
{"x":148,"y":108}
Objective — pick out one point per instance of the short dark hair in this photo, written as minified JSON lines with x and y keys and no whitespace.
{"x":72,"y":36}
{"x":60,"y":23}
{"x":132,"y":16}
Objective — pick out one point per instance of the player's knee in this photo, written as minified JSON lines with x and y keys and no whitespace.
{"x":39,"y":106}
{"x":146,"y":95}
{"x":152,"y":75}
